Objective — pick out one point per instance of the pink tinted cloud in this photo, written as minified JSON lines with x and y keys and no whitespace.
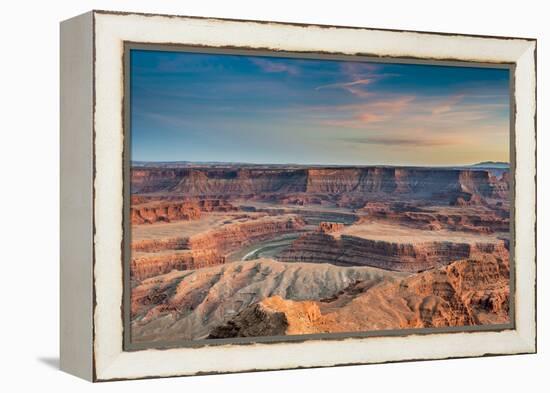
{"x":358,"y":121}
{"x":392,"y":105}
{"x":372,"y":112}
{"x":434,"y":113}
{"x":347,"y":123}
{"x":387,"y":104}
{"x":371,"y":117}
{"x":275,"y":67}
{"x":447,"y":105}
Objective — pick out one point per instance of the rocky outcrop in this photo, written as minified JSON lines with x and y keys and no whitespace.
{"x":150,"y":265}
{"x":328,"y":227}
{"x":206,"y":248}
{"x":225,"y":238}
{"x":349,"y":250}
{"x":467,"y":292}
{"x":217,"y":181}
{"x":234,"y":181}
{"x":164,"y":212}
{"x":273,"y":316}
{"x":145,"y":180}
{"x":476,"y":183}
{"x":232,"y":237}
{"x":215,"y":205}
{"x":261,"y":319}
{"x":468,"y":200}
{"x":501,"y":184}
{"x":148,"y":211}
{"x":481,"y":220}
{"x":183,"y":305}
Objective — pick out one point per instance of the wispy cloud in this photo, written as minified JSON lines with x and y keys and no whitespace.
{"x":375,"y":111}
{"x":273,"y":66}
{"x":358,"y":76}
{"x":353,"y":87}
{"x":406,"y":141}
{"x":393,"y":105}
{"x":447,"y":105}
{"x":371,"y":117}
{"x":397,"y":112}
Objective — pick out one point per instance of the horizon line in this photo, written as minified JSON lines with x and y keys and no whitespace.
{"x":488,"y":162}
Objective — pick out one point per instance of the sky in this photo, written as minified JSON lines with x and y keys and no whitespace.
{"x":230,"y":108}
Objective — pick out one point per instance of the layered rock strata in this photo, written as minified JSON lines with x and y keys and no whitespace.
{"x":349,"y":250}
{"x":145,"y":265}
{"x":190,"y":304}
{"x":467,"y":292}
{"x":478,"y":220}
{"x":322,"y":181}
{"x":206,"y":248}
{"x":164,"y":212}
{"x":151,"y":211}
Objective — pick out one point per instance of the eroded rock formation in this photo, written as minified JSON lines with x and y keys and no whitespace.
{"x":322,"y":181}
{"x":477,"y":220}
{"x":349,"y":250}
{"x":232,"y":237}
{"x":145,"y":265}
{"x":467,"y":292}
{"x":164,"y":212}
{"x":206,"y":248}
{"x":150,"y":210}
{"x":328,"y":227}
{"x":190,"y":304}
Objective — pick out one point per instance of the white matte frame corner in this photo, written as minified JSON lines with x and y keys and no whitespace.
{"x":92,"y":143}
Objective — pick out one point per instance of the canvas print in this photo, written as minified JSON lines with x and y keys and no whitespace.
{"x":286,"y":196}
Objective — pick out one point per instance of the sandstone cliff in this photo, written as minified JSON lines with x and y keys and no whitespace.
{"x":147,"y":211}
{"x":338,"y":180}
{"x":467,"y":292}
{"x":145,"y":265}
{"x":189,"y":304}
{"x":158,"y":256}
{"x":225,"y":238}
{"x":164,"y":212}
{"x":349,"y":250}
{"x":478,"y":220}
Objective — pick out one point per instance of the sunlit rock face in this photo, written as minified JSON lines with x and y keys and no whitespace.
{"x":221,"y":251}
{"x":369,"y":180}
{"x":467,"y":292}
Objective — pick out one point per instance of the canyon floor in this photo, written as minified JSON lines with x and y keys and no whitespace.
{"x":221,"y":251}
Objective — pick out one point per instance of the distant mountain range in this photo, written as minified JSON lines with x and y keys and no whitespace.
{"x":492,"y":165}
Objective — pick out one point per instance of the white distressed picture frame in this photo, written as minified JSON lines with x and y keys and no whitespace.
{"x":92,"y":89}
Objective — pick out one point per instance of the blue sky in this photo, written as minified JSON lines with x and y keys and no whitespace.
{"x":212,"y":107}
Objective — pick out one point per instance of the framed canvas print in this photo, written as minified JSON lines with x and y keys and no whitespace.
{"x":245,"y":195}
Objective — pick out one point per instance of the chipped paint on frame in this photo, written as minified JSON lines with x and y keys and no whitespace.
{"x":99,"y":279}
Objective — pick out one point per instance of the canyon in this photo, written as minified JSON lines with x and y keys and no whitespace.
{"x":230,"y":250}
{"x":467,"y":292}
{"x":189,"y":304}
{"x":337,"y":180}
